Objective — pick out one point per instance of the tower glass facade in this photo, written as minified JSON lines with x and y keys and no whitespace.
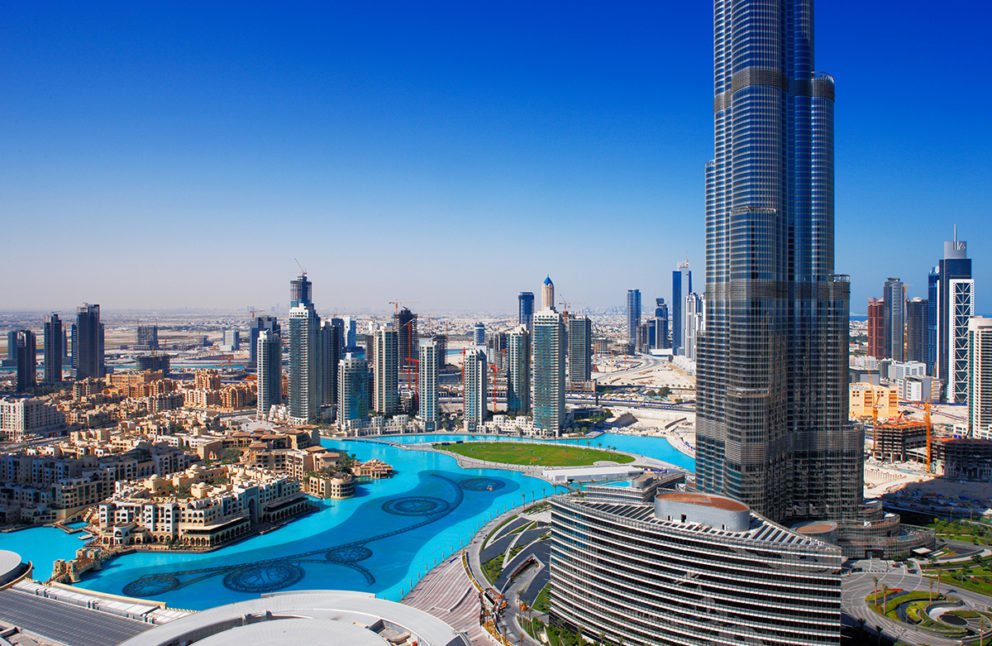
{"x":268,"y":353}
{"x":772,"y":428}
{"x":916,"y":329}
{"x":427,"y":385}
{"x":54,"y":349}
{"x":894,"y":319}
{"x":681,"y":287}
{"x":353,"y":390}
{"x":87,"y":343}
{"x":386,"y":390}
{"x":579,"y":349}
{"x":956,"y":304}
{"x":548,"y":350}
{"x":405,"y":323}
{"x":25,"y":358}
{"x":633,"y":314}
{"x":331,"y":342}
{"x":475,"y":391}
{"x":518,"y":371}
{"x":525,"y":309}
{"x":268,"y":323}
{"x":305,"y":393}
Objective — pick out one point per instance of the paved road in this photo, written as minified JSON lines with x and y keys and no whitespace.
{"x":66,"y":623}
{"x":858,"y":585}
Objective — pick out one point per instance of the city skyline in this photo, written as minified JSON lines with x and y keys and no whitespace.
{"x":151,"y":143}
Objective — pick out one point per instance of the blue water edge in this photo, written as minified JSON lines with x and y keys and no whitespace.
{"x":382,"y":540}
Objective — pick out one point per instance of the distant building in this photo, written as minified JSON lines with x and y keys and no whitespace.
{"x":12,"y":346}
{"x":956,"y":304}
{"x":300,"y":290}
{"x":267,"y":323}
{"x":916,"y":329}
{"x":876,"y":328}
{"x":865,"y":397}
{"x":146,"y":338}
{"x":305,"y":388}
{"x":353,"y":391}
{"x":633,"y":314}
{"x":154,"y":361}
{"x":496,"y":349}
{"x":579,"y":350}
{"x":692,"y":325}
{"x":54,"y":349}
{"x":87,"y":343}
{"x":386,"y":392}
{"x":894,"y":319}
{"x":964,"y":459}
{"x":350,"y":336}
{"x":547,"y":295}
{"x":547,"y":346}
{"x":22,"y":418}
{"x":26,"y":359}
{"x":689,"y":568}
{"x":475,"y":391}
{"x":525,"y":309}
{"x":681,"y":287}
{"x":479,"y":334}
{"x":980,"y":377}
{"x":933,"y":303}
{"x":661,"y":324}
{"x":268,"y":352}
{"x":405,"y":323}
{"x":232,"y":341}
{"x":427,"y":386}
{"x":441,"y":341}
{"x":331,"y":343}
{"x":518,"y":371}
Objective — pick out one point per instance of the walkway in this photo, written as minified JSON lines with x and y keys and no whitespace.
{"x":65,"y":623}
{"x":447,"y":593}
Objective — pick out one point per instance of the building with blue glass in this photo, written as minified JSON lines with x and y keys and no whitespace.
{"x":772,"y":404}
{"x":681,"y":288}
{"x":955,"y":306}
{"x":518,"y":371}
{"x":525,"y":309}
{"x":548,"y":348}
{"x":633,"y":314}
{"x":475,"y":388}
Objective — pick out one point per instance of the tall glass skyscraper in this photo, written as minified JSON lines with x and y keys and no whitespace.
{"x":955,"y":306}
{"x":518,"y":371}
{"x":305,"y":388}
{"x":548,"y":348}
{"x":525,"y":309}
{"x":54,"y":349}
{"x":427,"y":385}
{"x":681,"y":287}
{"x":268,"y":362}
{"x":633,"y":314}
{"x":772,"y":428}
{"x":87,"y":343}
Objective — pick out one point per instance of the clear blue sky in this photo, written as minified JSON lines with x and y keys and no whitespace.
{"x":447,"y":154}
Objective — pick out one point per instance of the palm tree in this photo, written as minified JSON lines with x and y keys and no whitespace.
{"x":875,"y":581}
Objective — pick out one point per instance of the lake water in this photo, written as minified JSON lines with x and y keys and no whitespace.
{"x":382,"y":540}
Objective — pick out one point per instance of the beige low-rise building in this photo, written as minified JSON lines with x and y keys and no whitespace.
{"x":336,"y":486}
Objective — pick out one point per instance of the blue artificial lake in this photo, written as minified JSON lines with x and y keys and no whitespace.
{"x":382,"y":540}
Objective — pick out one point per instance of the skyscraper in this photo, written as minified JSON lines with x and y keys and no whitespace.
{"x":12,"y":346}
{"x":405,"y":323}
{"x":496,"y":349}
{"x":87,"y":343}
{"x":956,"y":304}
{"x":427,"y":385}
{"x":146,"y":337}
{"x":980,"y":377}
{"x":660,"y":324}
{"x":916,"y":329}
{"x":681,"y":287}
{"x":548,"y":294}
{"x":267,"y":323}
{"x":633,"y":315}
{"x":331,"y":342}
{"x":386,"y":391}
{"x":26,"y":359}
{"x":692,"y":325}
{"x":268,"y":364}
{"x":771,"y":425}
{"x":933,"y":301}
{"x":305,"y":388}
{"x":579,"y":349}
{"x":475,"y":389}
{"x":54,"y":348}
{"x":876,"y":328}
{"x":518,"y":371}
{"x":479,"y":334}
{"x":894,"y":319}
{"x":353,"y":390}
{"x":525,"y":309}
{"x":548,"y":362}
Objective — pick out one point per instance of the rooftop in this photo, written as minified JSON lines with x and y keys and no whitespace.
{"x":708,"y":500}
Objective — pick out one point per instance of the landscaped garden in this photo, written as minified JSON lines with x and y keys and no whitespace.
{"x":533,"y":454}
{"x":974,"y":575}
{"x":944,"y":615}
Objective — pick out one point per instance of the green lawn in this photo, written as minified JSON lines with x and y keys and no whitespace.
{"x":527,"y":453}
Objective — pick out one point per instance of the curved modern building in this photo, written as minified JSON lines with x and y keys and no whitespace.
{"x":772,"y":428}
{"x":689,"y":569}
{"x":311,"y":617}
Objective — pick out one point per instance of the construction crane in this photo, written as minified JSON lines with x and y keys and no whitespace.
{"x":303,"y":272}
{"x":926,"y":420}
